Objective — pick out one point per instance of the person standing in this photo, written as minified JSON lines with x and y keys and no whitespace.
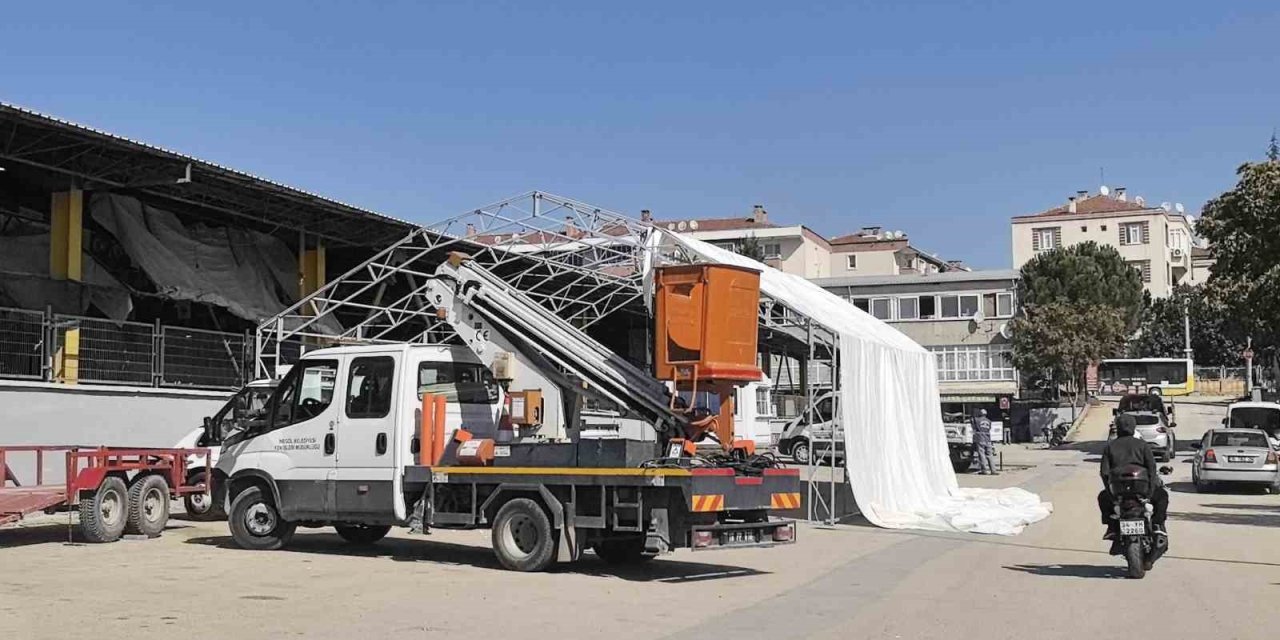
{"x":982,"y":446}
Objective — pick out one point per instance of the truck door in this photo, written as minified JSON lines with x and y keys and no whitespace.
{"x":366,"y":430}
{"x":295,"y":444}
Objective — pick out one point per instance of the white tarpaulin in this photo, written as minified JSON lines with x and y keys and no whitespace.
{"x":896,"y":447}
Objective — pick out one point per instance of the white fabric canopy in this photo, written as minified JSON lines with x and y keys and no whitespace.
{"x":896,"y":447}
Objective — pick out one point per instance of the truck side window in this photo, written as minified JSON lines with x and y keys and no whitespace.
{"x":305,"y":394}
{"x":369,"y":387}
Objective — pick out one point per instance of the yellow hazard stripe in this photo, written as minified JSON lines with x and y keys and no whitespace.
{"x":708,"y":502}
{"x":785,"y":501}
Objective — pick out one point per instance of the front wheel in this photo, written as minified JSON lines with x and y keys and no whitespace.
{"x":203,"y":507}
{"x":961,"y":460}
{"x":362,"y":534}
{"x":800,"y":452}
{"x":255,"y":522}
{"x":1137,"y":564}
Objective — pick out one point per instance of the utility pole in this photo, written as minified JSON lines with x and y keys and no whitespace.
{"x":1248,"y":367}
{"x":1186,"y":330}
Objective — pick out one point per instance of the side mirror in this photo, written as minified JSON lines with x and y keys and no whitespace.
{"x":1115,"y":411}
{"x":1195,"y":445}
{"x":1226,"y":421}
{"x":208,"y":430}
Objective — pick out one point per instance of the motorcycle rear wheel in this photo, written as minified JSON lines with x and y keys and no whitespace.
{"x":1137,"y":564}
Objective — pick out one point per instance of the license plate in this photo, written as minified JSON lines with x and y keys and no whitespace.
{"x":1245,"y":459}
{"x":1133,"y":527}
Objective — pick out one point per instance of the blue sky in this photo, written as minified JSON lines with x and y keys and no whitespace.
{"x":934,"y":118}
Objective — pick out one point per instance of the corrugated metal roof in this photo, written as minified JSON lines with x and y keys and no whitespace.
{"x":204,"y":164}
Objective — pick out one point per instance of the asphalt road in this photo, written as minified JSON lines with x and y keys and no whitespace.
{"x":1221,"y":578}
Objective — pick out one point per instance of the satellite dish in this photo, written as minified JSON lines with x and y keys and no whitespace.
{"x":1006,"y":331}
{"x":1104,"y":190}
{"x":680,"y":226}
{"x":1177,"y":206}
{"x":693,"y":224}
{"x":1166,"y":206}
{"x":979,"y":316}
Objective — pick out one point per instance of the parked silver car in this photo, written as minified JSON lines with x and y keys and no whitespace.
{"x":1235,"y":456}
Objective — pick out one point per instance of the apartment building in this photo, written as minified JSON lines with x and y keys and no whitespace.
{"x":1156,"y":241}
{"x":799,"y":250}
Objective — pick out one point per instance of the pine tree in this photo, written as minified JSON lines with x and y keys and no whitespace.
{"x":1273,"y":149}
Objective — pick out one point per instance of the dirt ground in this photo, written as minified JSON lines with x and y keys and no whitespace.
{"x":851,"y":581}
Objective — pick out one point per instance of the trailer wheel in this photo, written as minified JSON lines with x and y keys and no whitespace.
{"x":148,"y":506}
{"x":201,"y":507}
{"x":102,"y":517}
{"x":522,"y":536}
{"x":255,"y":522}
{"x":622,"y":551}
{"x":362,"y":534}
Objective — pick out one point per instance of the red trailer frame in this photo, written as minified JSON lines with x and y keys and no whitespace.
{"x":84,"y":470}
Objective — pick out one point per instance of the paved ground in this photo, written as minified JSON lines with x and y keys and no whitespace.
{"x":1221,"y":579}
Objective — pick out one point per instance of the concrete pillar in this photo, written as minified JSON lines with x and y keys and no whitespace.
{"x":66,"y":237}
{"x":311,"y":265}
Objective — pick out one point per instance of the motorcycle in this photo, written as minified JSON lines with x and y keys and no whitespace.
{"x":1138,"y":541}
{"x":1057,"y":435}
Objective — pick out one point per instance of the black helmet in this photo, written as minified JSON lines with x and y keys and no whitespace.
{"x":1125,"y":425}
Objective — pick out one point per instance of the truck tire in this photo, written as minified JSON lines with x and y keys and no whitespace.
{"x":1137,"y":564}
{"x":255,"y":522}
{"x":362,"y":534}
{"x":102,"y":517}
{"x":622,"y":551}
{"x":961,"y":461}
{"x":148,"y":506}
{"x":522,"y":536}
{"x":200,"y":507}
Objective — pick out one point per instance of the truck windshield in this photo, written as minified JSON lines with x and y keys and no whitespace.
{"x":1263,"y":418}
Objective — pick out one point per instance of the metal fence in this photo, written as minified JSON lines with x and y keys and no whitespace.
{"x":34,"y":345}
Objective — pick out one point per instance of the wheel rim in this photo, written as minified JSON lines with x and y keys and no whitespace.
{"x":260,"y":519}
{"x":801,"y":453}
{"x":110,"y":508}
{"x":520,"y":535}
{"x":198,"y":502}
{"x":153,"y":505}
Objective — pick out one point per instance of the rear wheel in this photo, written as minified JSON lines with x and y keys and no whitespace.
{"x":102,"y":517}
{"x":522,"y":536}
{"x":362,"y":534}
{"x":148,"y":506}
{"x":1137,"y":564}
{"x":255,"y":522}
{"x":961,"y":460}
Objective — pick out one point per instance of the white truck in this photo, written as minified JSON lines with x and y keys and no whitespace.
{"x":344,"y":443}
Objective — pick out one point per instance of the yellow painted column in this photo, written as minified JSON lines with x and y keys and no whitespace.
{"x":66,"y":241}
{"x":312,"y":263}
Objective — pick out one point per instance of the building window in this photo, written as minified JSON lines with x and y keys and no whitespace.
{"x":908,"y":308}
{"x":968,"y":306}
{"x":950,"y":306}
{"x":1133,"y":233}
{"x":1046,"y":238}
{"x":959,"y":306}
{"x":979,"y":362}
{"x":1177,"y":239}
{"x":1084,"y":228}
{"x":851,"y":261}
{"x":862,"y":303}
{"x":771,"y":250}
{"x":880,"y":309}
{"x":997,"y":305}
{"x":928,"y":307}
{"x":1104,"y":227}
{"x":1143,"y":267}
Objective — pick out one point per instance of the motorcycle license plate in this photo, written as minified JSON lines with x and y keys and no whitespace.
{"x":1133,"y":527}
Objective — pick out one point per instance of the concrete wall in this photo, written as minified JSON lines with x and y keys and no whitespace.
{"x":56,"y":414}
{"x":870,"y":263}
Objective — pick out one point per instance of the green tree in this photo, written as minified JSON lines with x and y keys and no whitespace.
{"x":1217,"y":339}
{"x":1083,"y":275}
{"x":1243,"y":228}
{"x":1058,"y":340}
{"x":751,"y":248}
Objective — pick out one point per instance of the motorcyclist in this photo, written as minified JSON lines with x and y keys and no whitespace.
{"x":1129,"y":450}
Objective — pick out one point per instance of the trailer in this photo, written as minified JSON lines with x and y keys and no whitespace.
{"x":116,"y":490}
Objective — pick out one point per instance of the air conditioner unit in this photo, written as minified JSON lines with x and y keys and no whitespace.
{"x":1177,"y":254}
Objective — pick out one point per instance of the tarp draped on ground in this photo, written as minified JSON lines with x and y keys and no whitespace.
{"x":896,"y":448}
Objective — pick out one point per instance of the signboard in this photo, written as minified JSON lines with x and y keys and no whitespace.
{"x":1004,"y":403}
{"x":1248,"y":354}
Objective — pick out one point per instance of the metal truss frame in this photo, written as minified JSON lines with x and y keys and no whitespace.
{"x":582,"y":262}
